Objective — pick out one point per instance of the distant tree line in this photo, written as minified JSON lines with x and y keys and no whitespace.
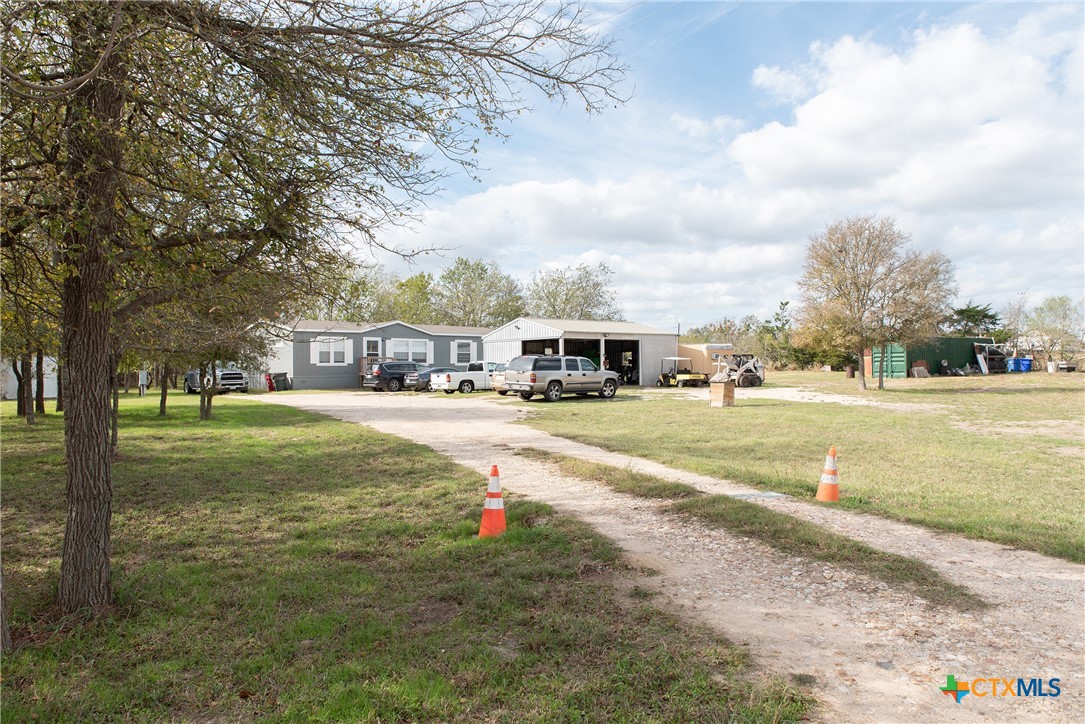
{"x":470,"y":293}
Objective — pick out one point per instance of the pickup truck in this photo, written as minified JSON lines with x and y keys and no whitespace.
{"x":228,"y":379}
{"x":479,"y":376}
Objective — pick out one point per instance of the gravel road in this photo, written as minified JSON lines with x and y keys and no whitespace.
{"x":875,"y":653}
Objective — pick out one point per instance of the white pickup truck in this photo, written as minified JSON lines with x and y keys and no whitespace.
{"x":479,"y":376}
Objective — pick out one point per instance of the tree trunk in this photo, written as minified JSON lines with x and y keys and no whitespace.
{"x":28,"y":388}
{"x":20,"y":392}
{"x":881,"y":369}
{"x":61,"y":371}
{"x":162,"y":400}
{"x":39,"y":391}
{"x":5,"y":628}
{"x":861,"y":371}
{"x":207,"y":391}
{"x":92,"y":133}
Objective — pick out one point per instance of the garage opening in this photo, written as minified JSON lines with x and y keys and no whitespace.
{"x":539,"y":346}
{"x":623,"y":357}
{"x":590,"y":348}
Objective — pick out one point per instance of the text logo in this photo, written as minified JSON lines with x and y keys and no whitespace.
{"x":999,"y":686}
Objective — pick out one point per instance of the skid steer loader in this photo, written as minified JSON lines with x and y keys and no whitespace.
{"x":745,"y":370}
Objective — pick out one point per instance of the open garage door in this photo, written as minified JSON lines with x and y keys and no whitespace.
{"x":623,"y":356}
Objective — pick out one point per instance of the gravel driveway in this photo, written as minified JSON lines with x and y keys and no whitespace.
{"x":875,"y":653}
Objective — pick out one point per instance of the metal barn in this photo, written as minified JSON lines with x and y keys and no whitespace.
{"x":632,"y":350}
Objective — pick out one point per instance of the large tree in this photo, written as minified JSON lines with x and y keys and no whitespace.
{"x":972,"y":320}
{"x":476,"y":293}
{"x":863,"y":286}
{"x":1057,"y":327}
{"x":580,"y":292}
{"x":359,"y":293}
{"x":198,"y":138}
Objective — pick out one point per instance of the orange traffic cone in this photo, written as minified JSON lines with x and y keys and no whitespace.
{"x":493,"y":513}
{"x":829,"y":488}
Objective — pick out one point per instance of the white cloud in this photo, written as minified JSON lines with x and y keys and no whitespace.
{"x":974,"y":142}
{"x":783,"y":85}
{"x":711,"y":130}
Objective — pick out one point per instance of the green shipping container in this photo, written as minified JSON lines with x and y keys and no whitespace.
{"x":896,"y":361}
{"x":957,"y":351}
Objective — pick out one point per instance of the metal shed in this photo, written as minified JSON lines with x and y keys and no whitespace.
{"x":632,"y":350}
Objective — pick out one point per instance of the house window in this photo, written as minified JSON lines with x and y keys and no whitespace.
{"x":331,"y":351}
{"x":411,"y":350}
{"x":463,"y":353}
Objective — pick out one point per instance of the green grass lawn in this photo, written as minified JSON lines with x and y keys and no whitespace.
{"x":278,"y":565}
{"x":997,"y":458}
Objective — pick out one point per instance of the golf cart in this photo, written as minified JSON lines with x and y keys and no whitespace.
{"x":676,"y":374}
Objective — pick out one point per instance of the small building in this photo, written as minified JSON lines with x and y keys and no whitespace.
{"x":702,"y":356}
{"x":332,"y":355}
{"x":958,"y":352}
{"x":632,"y":350}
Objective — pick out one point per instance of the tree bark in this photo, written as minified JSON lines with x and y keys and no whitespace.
{"x":165,"y":387}
{"x":881,"y":368}
{"x":28,"y":388}
{"x":861,"y":370}
{"x":207,"y":391}
{"x":20,"y":392}
{"x":92,"y":132}
{"x":39,"y":391}
{"x":61,"y":371}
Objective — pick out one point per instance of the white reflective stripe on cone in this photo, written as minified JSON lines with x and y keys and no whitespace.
{"x":494,"y":504}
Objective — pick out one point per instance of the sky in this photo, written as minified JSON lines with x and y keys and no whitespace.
{"x":752,"y":126}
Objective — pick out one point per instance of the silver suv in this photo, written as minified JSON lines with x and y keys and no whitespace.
{"x":557,"y":375}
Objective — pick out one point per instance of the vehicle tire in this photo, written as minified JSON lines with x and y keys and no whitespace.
{"x":659,"y":383}
{"x":448,"y":392}
{"x":395,"y":384}
{"x":608,"y":389}
{"x":525,"y":396}
{"x":681,"y":383}
{"x":502,"y":392}
{"x":756,"y":381}
{"x":244,"y":390}
{"x":467,"y":387}
{"x":744,"y":381}
{"x":553,"y":391}
{"x":188,"y":389}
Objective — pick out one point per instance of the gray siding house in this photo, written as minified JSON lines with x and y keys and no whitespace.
{"x":333,"y":355}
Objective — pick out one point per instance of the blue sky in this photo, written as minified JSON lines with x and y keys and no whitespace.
{"x":753,"y":125}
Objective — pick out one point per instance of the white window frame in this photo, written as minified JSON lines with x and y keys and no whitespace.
{"x":455,"y":351}
{"x":416,"y":350}
{"x":366,"y":342}
{"x":335,"y":347}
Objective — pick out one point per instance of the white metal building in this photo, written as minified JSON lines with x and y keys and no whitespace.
{"x":632,"y":350}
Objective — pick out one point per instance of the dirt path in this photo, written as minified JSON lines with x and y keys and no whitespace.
{"x":875,"y":654}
